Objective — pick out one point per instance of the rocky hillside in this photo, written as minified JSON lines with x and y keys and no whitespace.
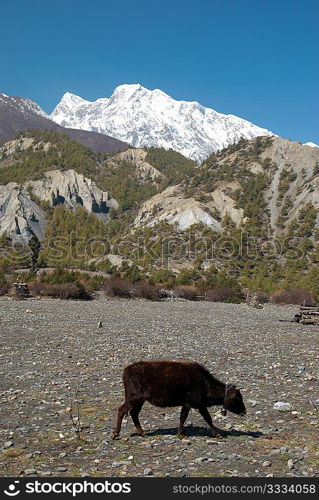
{"x":31,"y":161}
{"x":249,"y":193}
{"x":21,"y":214}
{"x":266,"y":178}
{"x":18,"y":113}
{"x":172,"y":207}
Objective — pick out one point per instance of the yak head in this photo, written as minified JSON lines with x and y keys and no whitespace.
{"x":233,"y":401}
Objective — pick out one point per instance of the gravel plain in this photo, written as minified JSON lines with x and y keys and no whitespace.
{"x":57,"y":364}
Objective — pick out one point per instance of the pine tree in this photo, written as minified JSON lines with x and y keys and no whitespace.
{"x":35,"y":247}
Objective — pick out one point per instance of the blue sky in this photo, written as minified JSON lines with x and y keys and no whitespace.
{"x":252,"y":58}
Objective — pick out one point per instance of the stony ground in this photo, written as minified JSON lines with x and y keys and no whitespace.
{"x":54,"y":358}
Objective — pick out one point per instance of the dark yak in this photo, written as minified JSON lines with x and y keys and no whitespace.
{"x":175,"y":383}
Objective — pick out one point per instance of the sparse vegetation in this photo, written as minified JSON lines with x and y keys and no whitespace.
{"x":62,"y":153}
{"x":60,"y":291}
{"x":118,"y":287}
{"x":146,"y":290}
{"x":286,"y":178}
{"x":4,"y":287}
{"x":292,"y":296}
{"x":172,"y":164}
{"x":187,"y":292}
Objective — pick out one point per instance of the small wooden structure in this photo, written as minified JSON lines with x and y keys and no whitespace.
{"x":308,"y":315}
{"x":19,"y":291}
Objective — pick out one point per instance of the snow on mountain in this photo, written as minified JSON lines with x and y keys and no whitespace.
{"x":145,"y":117}
{"x":311,"y":144}
{"x":26,"y":106}
{"x":18,"y":114}
{"x":33,"y":107}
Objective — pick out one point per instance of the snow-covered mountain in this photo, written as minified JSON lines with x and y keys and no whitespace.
{"x":19,"y":113}
{"x":25,"y":106}
{"x":145,"y":117}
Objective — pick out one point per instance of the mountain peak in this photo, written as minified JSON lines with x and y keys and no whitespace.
{"x":70,"y":100}
{"x":132,"y":88}
{"x":68,"y":96}
{"x":144,"y":117}
{"x":33,"y":107}
{"x":128,"y":87}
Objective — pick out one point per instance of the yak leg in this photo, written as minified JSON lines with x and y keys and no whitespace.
{"x":206,"y":416}
{"x":184,"y":414}
{"x":123,"y":410}
{"x":137,"y":406}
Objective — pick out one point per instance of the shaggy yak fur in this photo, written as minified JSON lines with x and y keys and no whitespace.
{"x":175,"y":383}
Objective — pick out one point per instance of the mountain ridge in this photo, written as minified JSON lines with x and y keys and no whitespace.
{"x":19,"y":113}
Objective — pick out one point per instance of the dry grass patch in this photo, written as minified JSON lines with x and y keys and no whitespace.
{"x":13,"y":453}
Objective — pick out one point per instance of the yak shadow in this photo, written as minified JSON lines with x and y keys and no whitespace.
{"x":193,"y":431}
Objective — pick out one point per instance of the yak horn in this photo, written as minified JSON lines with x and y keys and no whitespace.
{"x":229,"y":386}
